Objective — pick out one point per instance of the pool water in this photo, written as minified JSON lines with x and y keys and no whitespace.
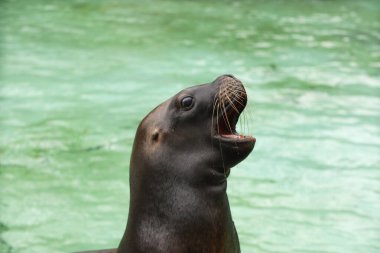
{"x":77,"y":77}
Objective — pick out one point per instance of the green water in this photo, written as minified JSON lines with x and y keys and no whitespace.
{"x":78,"y":76}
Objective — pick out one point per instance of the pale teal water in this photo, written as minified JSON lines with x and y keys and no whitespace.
{"x":78,"y":76}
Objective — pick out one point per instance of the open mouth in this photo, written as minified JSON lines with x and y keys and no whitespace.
{"x":226,"y":126}
{"x":232,"y":101}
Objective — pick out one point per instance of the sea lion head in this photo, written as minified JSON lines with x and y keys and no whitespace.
{"x":192,"y":136}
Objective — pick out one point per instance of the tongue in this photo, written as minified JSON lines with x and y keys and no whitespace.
{"x":233,"y":136}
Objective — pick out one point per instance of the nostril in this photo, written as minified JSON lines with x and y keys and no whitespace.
{"x":227,"y":80}
{"x":229,"y":75}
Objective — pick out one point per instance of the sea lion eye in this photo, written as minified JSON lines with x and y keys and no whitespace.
{"x":187,"y":102}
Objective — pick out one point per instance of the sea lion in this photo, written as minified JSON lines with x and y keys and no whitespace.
{"x":182,"y":155}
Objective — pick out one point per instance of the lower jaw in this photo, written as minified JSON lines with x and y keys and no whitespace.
{"x":235,"y":138}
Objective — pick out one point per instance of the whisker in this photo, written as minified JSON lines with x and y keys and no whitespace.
{"x":232,"y":104}
{"x":226,"y":118}
{"x":220,"y":143}
{"x":212,"y":115}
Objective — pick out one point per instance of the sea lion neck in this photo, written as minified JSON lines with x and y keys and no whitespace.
{"x":170,"y":218}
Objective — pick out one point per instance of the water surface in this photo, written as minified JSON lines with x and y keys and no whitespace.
{"x":78,"y":76}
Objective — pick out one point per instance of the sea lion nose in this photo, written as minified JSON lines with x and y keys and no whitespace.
{"x":229,"y":75}
{"x":232,"y":87}
{"x":227,"y":79}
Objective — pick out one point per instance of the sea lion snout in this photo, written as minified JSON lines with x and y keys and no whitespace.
{"x":231,"y":100}
{"x":229,"y":76}
{"x":228,"y":79}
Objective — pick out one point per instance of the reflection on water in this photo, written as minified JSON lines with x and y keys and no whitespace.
{"x":77,"y":77}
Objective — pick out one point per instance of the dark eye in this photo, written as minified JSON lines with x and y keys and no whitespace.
{"x":187,"y":102}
